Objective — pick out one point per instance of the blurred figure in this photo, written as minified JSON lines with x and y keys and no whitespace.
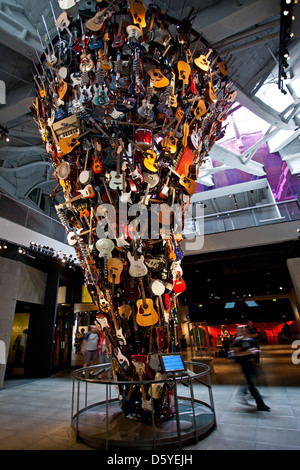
{"x":225,"y":337}
{"x":20,"y":346}
{"x":286,"y":330}
{"x":104,"y":353}
{"x":89,"y":347}
{"x":252,"y":332}
{"x":244,"y":354}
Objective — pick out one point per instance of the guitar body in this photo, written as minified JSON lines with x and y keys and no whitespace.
{"x":161,"y":338}
{"x":132,"y":291}
{"x":105,"y":247}
{"x":70,"y":6}
{"x":184,"y":71}
{"x":137,"y":267}
{"x":138,"y":13}
{"x":67,"y":144}
{"x":115,"y":267}
{"x":146,"y":313}
{"x":116,"y":181}
{"x":97,"y":166}
{"x":150,"y":161}
{"x":202,"y":63}
{"x":210,"y":93}
{"x":159,"y":80}
{"x":189,"y":185}
{"x":179,"y":284}
{"x":125,"y":311}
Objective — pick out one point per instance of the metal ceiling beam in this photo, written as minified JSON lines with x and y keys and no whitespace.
{"x":262,"y":110}
{"x":249,"y":32}
{"x":16,"y":31}
{"x":17,"y":104}
{"x":25,"y":167}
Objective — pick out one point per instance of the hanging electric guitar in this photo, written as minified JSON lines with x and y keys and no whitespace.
{"x":97,"y":166}
{"x":137,"y":266}
{"x":136,"y":87}
{"x":105,"y":247}
{"x":118,"y":330}
{"x":119,"y":38}
{"x":137,"y":177}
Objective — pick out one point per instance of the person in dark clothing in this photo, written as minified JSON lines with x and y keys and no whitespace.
{"x":286,"y":330}
{"x":252,"y":332}
{"x":244,"y":354}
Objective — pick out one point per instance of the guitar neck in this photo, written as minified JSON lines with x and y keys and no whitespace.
{"x":143,"y":293}
{"x":112,"y":311}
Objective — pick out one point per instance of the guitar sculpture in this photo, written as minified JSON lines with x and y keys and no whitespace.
{"x":127,"y":113}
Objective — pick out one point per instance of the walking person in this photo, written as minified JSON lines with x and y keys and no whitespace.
{"x":244,"y":354}
{"x":252,"y":332}
{"x":90,"y":348}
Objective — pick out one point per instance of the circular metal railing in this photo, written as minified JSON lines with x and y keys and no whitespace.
{"x":107,"y":423}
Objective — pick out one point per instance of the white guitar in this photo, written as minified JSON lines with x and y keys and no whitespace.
{"x":70,"y":6}
{"x":105,"y":247}
{"x":137,"y":267}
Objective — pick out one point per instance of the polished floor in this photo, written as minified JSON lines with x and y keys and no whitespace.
{"x":36,"y":414}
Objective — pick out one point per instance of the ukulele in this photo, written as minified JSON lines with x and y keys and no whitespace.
{"x":146,"y":313}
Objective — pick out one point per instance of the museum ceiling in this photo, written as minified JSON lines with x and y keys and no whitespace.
{"x":246,"y":33}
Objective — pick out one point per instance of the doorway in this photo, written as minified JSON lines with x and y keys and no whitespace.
{"x":17,"y":347}
{"x":62,"y":341}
